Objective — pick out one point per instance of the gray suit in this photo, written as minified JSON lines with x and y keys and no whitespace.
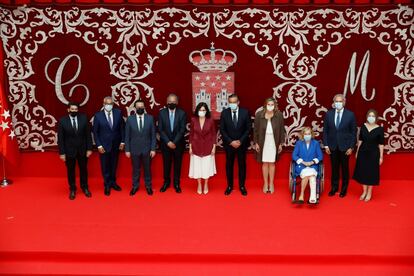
{"x":140,"y":143}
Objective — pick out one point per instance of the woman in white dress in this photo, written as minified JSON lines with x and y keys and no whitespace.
{"x":202,"y":147}
{"x":269,"y":134}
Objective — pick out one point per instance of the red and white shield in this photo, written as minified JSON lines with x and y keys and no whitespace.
{"x":213,"y":88}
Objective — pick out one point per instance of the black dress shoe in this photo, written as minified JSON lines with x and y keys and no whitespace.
{"x":228,"y":190}
{"x":87,"y":193}
{"x":149,"y":191}
{"x":133,"y":191}
{"x":72,"y":195}
{"x":116,"y":187}
{"x":164,"y":187}
{"x":331,"y":193}
{"x":177,"y":189}
{"x":107,"y":191}
{"x":342,"y":194}
{"x":243,"y":191}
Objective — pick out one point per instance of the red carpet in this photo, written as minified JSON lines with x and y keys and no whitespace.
{"x":42,"y":232}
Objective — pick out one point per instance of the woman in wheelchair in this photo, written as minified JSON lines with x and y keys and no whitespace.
{"x":306,"y":155}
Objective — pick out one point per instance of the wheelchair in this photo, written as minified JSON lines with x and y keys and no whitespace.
{"x":294,"y":180}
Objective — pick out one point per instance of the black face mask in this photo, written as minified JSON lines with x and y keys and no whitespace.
{"x":172,"y":106}
{"x":140,"y":111}
{"x":73,"y":113}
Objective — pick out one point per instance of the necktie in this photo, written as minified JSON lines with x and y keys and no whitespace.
{"x":338,"y":119}
{"x":110,"y":120}
{"x":235,"y":118}
{"x":75,"y":127}
{"x":172,"y":121}
{"x":140,"y":123}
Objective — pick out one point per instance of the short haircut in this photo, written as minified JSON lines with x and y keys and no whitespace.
{"x":199,"y":106}
{"x":107,"y":98}
{"x":73,"y":104}
{"x":339,"y":95}
{"x":173,"y":95}
{"x":138,"y":101}
{"x":234,"y":95}
{"x":302,"y":132}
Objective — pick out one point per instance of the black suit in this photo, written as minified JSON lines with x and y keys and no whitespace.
{"x":231,"y":132}
{"x":73,"y":143}
{"x":177,"y":137}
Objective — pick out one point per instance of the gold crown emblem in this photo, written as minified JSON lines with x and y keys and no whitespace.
{"x":212,"y":60}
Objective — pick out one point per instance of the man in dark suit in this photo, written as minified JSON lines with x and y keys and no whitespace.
{"x":140,"y":144}
{"x":339,"y":138}
{"x":75,"y":144}
{"x":235,"y":126}
{"x":171,"y":125}
{"x":109,"y":132}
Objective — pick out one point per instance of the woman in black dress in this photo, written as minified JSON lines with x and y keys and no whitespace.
{"x":369,"y":155}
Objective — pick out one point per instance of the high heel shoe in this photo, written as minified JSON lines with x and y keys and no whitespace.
{"x":367,"y":198}
{"x":265,"y":188}
{"x":199,"y":190}
{"x":272,"y":188}
{"x":205,"y":189}
{"x":362,"y":197}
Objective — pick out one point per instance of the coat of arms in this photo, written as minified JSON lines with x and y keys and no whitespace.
{"x":213,"y":83}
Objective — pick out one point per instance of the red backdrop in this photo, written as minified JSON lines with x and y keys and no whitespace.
{"x":300,"y":55}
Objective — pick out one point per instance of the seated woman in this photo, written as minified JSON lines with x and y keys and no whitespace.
{"x":307,"y":154}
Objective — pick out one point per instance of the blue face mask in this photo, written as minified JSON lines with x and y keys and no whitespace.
{"x":339,"y":105}
{"x":233,"y":106}
{"x":307,"y":137}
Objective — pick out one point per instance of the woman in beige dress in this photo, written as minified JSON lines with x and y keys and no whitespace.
{"x":269,"y":135}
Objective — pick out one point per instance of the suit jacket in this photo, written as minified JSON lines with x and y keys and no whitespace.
{"x":102,"y":132}
{"x":177,"y":136}
{"x":140,"y":142}
{"x":229,"y":132}
{"x":202,"y":140}
{"x":302,"y":152}
{"x":345,"y":136}
{"x":260,"y":125}
{"x":71,"y":142}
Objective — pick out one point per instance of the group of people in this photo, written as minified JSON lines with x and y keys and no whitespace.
{"x":137,"y":136}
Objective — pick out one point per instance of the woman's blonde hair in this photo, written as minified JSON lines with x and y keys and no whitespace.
{"x":271,"y":99}
{"x":302,"y":132}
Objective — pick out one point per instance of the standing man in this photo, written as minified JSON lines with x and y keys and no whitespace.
{"x":140,"y":145}
{"x":75,"y":144}
{"x":171,"y":124}
{"x":235,"y":126}
{"x":339,"y":138}
{"x":109,"y":132}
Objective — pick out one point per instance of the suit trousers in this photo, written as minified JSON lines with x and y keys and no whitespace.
{"x":83,"y":171}
{"x":137,"y":160}
{"x":109,"y":164}
{"x":169,"y":157}
{"x":339,"y":161}
{"x":231,"y":154}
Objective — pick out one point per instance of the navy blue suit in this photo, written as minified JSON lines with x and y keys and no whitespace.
{"x":177,"y":137}
{"x":140,"y":143}
{"x":231,"y":132}
{"x":339,"y":140}
{"x":110,"y":139}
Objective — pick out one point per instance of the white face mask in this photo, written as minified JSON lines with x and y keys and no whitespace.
{"x":371,"y":119}
{"x":108,"y":107}
{"x":270,"y":107}
{"x":339,"y":105}
{"x":202,"y":114}
{"x":307,"y":137}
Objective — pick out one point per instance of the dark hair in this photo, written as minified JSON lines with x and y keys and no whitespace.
{"x":233,"y":96}
{"x":73,"y":104}
{"x":138,"y":101}
{"x":199,"y":106}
